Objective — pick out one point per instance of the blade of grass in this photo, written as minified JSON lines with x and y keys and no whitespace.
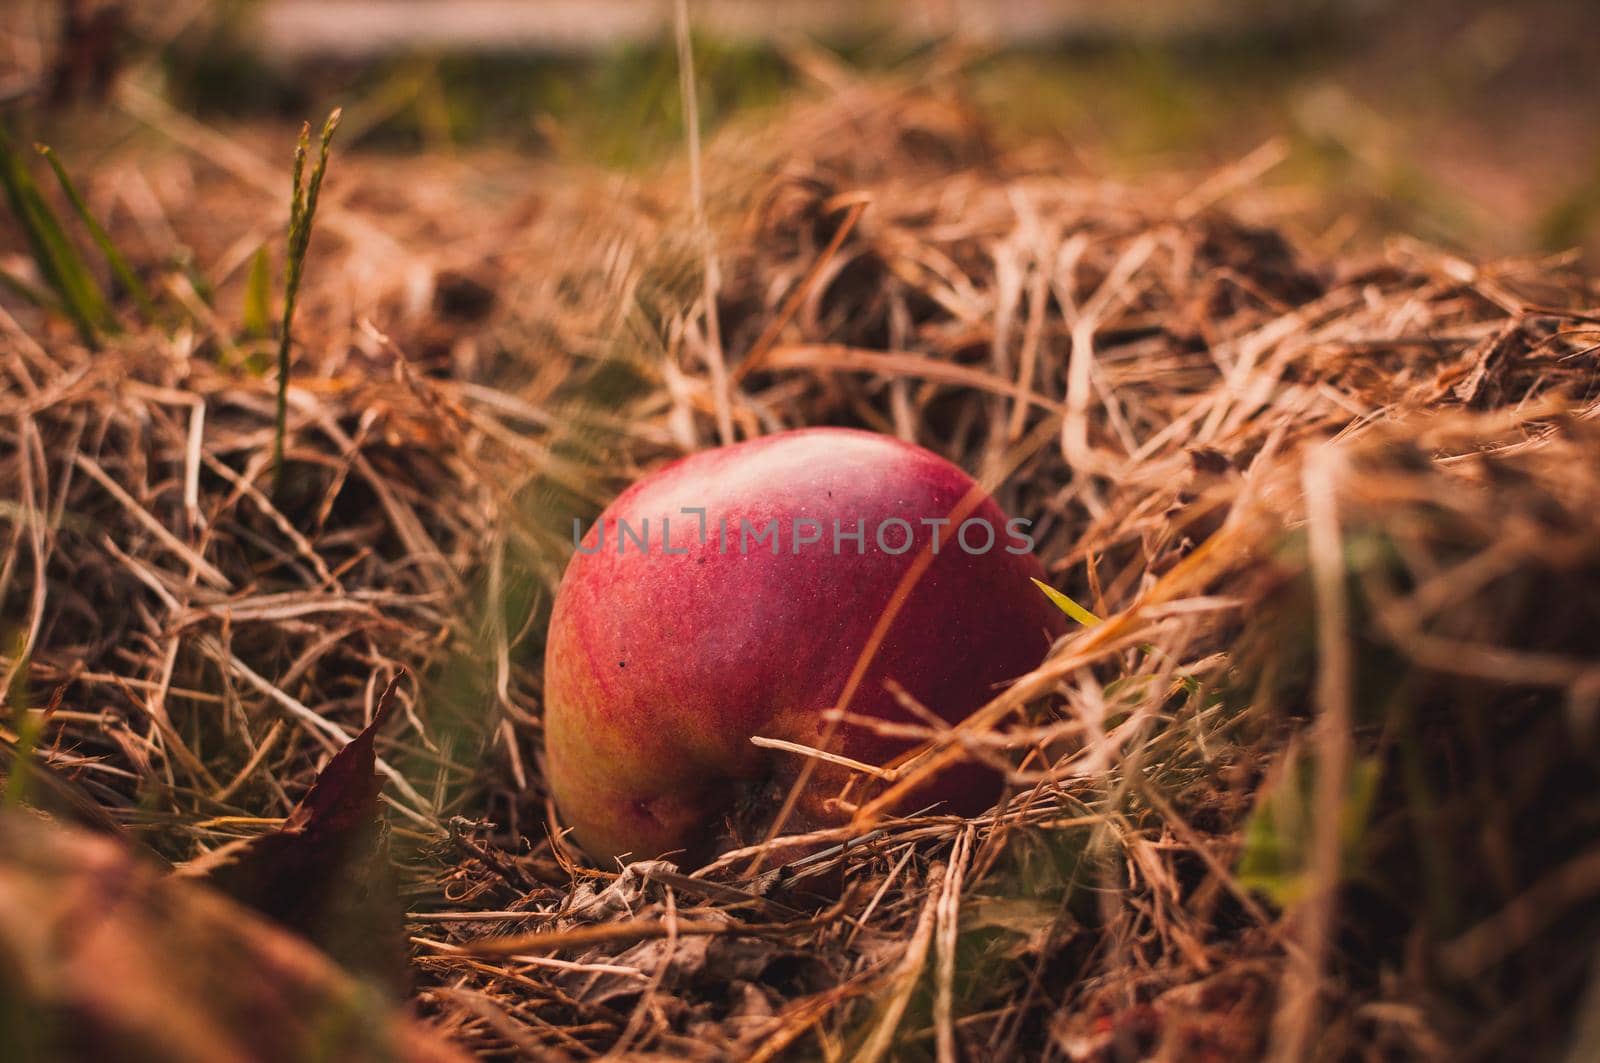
{"x":1067,"y":605}
{"x":27,"y":726}
{"x":302,"y":212}
{"x":258,"y":296}
{"x":102,"y":239}
{"x":58,"y":261}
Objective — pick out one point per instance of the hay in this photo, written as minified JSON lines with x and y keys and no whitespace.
{"x":1153,"y":373}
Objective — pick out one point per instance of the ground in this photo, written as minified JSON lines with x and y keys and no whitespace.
{"x":1320,"y":784}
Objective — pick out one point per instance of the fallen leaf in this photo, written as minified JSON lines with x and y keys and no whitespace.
{"x":325,"y":872}
{"x":105,"y":956}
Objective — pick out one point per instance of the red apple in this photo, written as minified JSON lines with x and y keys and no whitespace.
{"x":678,"y":633}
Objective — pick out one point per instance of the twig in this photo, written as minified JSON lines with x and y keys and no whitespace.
{"x":1296,"y":1020}
{"x":712,"y":276}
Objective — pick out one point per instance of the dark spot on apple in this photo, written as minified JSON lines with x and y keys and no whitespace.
{"x":622,"y":664}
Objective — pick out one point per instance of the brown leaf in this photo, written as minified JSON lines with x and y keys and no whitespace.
{"x":325,"y":873}
{"x":104,"y":956}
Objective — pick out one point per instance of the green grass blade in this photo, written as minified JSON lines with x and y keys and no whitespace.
{"x":258,"y":296}
{"x":1067,"y":605}
{"x":58,"y":261}
{"x":102,"y":239}
{"x":27,"y":726}
{"x":1276,"y":859}
{"x":302,"y":213}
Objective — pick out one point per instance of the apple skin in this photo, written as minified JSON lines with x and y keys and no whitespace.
{"x":660,"y":668}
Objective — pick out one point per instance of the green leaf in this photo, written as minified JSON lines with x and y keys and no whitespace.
{"x":1276,"y":860}
{"x":1067,"y":605}
{"x":258,"y":296}
{"x":58,"y":261}
{"x":102,"y":239}
{"x":27,"y":726}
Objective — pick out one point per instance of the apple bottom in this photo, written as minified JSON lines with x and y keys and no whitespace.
{"x":713,"y":812}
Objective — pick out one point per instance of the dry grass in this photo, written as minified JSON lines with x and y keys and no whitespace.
{"x":1336,"y":513}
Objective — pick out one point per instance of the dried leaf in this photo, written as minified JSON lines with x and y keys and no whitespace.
{"x":325,"y":873}
{"x":103,"y":956}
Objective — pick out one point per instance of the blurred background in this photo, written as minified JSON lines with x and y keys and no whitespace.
{"x":1470,"y":123}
